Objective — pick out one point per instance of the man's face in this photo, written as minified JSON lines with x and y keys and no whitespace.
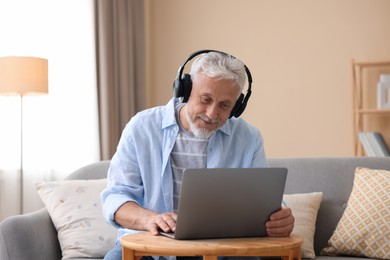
{"x":209,"y":105}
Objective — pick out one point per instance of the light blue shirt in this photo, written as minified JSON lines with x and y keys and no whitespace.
{"x":140,"y":171}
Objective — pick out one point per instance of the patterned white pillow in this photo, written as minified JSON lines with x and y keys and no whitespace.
{"x":364,"y":228}
{"x":75,"y":209}
{"x":304,"y":207}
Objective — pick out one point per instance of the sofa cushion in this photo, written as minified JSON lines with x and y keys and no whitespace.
{"x":75,"y":209}
{"x":364,"y":229}
{"x":334,"y":178}
{"x":305,"y":208}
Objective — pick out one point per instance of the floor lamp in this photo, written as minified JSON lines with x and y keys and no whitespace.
{"x":23,"y":76}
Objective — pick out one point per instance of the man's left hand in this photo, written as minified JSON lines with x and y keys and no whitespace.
{"x":281,"y":223}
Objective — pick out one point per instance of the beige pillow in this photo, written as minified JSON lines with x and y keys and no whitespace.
{"x":305,"y":208}
{"x":364,"y":228}
{"x":75,"y":209}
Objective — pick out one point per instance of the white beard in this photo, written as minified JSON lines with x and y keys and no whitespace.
{"x":201,"y":133}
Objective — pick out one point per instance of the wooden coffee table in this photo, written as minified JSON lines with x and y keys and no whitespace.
{"x":144,"y":244}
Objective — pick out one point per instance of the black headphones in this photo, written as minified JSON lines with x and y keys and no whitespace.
{"x":182,"y":85}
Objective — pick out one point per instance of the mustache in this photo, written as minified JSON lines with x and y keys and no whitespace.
{"x":207,"y":119}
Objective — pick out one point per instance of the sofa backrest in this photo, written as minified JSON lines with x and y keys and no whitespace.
{"x":332,"y":176}
{"x":97,"y":170}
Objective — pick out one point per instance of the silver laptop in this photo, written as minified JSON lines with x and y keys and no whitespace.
{"x":227,"y":203}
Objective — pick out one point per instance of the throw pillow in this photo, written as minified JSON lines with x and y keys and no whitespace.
{"x":75,"y":209}
{"x":364,"y":228}
{"x":305,"y":208}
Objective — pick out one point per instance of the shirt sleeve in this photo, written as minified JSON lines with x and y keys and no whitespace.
{"x":259,"y":158}
{"x":123,"y":179}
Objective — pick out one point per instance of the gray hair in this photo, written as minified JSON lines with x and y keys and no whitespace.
{"x":219,"y":66}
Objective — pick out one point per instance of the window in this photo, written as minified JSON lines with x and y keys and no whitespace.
{"x":60,"y":130}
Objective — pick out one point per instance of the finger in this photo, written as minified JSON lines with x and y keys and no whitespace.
{"x":280,"y":227}
{"x":279,"y":231}
{"x":153,"y":228}
{"x":168,"y":222}
{"x":157,"y":224}
{"x":280,"y":214}
{"x":173,"y":215}
{"x":280,"y":223}
{"x":162,"y":225}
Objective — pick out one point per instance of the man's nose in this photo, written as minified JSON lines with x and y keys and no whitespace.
{"x":212,"y":112}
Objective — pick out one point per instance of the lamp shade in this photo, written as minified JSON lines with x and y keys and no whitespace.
{"x":23,"y":75}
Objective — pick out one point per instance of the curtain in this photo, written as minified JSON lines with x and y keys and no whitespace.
{"x":120,"y":67}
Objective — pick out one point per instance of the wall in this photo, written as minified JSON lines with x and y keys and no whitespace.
{"x":299,"y":53}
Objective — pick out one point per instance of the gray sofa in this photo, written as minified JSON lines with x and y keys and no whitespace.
{"x":33,"y":236}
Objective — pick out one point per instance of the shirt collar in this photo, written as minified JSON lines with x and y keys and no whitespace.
{"x":169,"y":118}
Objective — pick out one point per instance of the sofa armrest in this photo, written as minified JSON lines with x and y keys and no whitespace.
{"x":29,"y":236}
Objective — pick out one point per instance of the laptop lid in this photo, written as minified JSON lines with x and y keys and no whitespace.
{"x":228,"y":202}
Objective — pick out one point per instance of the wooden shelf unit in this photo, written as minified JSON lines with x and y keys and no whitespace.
{"x":366,"y":115}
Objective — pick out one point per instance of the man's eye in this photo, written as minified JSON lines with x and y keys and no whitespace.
{"x":225,"y":106}
{"x":205,"y":100}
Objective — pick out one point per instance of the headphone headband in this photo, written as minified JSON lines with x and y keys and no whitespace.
{"x":182,"y":85}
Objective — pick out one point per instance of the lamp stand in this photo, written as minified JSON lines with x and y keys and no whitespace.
{"x":21,"y":158}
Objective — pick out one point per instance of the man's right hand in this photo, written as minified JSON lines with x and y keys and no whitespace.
{"x":131,"y":215}
{"x":165,"y":222}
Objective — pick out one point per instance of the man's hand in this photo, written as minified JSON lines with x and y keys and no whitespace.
{"x":165,"y":222}
{"x":281,"y":223}
{"x":131,"y":215}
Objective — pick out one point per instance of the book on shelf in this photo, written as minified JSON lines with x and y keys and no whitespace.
{"x":383,"y":92}
{"x":374,"y":145}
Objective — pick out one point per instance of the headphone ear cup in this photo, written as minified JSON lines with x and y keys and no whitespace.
{"x":237,"y":109}
{"x":241,"y":109}
{"x":182,"y":87}
{"x":186,"y":86}
{"x":177,"y":90}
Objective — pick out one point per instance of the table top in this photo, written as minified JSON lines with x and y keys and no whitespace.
{"x":145,"y":241}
